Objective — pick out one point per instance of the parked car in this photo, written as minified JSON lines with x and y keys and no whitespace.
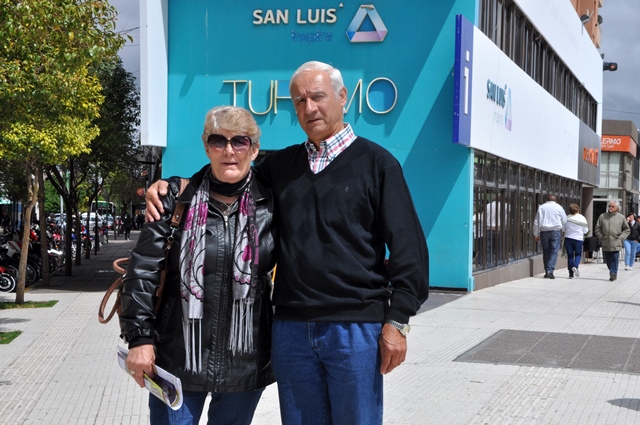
{"x":92,"y":220}
{"x":109,"y":221}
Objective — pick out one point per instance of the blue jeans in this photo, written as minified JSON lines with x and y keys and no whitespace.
{"x":630,"y":248}
{"x":550,"y":241}
{"x":224,"y":408}
{"x":611,"y":258}
{"x":574,"y":253}
{"x":327,"y":372}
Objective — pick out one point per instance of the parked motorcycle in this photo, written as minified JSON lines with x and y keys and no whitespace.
{"x":8,"y":279}
{"x":11,"y":250}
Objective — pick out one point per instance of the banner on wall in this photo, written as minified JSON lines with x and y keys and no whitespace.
{"x":244,"y":53}
{"x":613,"y":143}
{"x":499,"y":109}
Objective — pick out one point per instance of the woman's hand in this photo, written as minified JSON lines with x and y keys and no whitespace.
{"x":152,"y":198}
{"x":141,"y":360}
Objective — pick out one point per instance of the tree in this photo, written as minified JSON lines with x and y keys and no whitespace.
{"x":113,"y":150}
{"x":13,"y":180}
{"x":116,"y":146}
{"x":48,"y":96}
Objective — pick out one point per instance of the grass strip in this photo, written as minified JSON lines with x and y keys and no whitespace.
{"x":27,"y":304}
{"x":7,"y":337}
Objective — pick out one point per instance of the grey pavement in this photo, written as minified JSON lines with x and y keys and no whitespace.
{"x":63,"y":368}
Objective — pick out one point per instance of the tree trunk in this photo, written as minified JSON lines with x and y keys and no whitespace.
{"x":61,"y":180}
{"x":44,"y":242}
{"x":32,"y":194}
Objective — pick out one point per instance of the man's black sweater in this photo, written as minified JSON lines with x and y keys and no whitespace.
{"x":334,"y":228}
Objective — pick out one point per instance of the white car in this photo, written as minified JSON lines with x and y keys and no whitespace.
{"x":109,"y":221}
{"x":92,"y":220}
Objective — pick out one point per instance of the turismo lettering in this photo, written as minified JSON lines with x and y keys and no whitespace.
{"x":611,"y":141}
{"x":376,"y":84}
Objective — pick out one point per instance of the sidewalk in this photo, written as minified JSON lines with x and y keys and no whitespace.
{"x":63,"y":369}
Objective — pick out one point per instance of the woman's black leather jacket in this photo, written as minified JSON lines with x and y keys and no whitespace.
{"x":222,"y":371}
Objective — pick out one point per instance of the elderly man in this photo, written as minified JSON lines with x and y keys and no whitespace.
{"x":612,"y":229}
{"x":341,"y":314}
{"x":547,"y":228}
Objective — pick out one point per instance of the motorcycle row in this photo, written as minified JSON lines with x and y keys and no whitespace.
{"x":11,"y":249}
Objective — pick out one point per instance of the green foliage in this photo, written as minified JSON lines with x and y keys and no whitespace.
{"x":47,"y":94}
{"x":13,"y":179}
{"x":51,"y":199}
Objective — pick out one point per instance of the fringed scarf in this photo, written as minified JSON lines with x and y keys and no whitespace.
{"x":245,"y":264}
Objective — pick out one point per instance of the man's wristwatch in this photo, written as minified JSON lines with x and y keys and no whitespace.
{"x":404,"y":328}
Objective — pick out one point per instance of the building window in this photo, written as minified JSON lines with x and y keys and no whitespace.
{"x":506,"y":197}
{"x":505,"y":24}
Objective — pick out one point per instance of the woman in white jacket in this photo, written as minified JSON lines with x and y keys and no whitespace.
{"x":574,"y":230}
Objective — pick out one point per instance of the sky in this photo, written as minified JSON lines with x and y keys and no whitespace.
{"x":129,"y":23}
{"x":620,"y":43}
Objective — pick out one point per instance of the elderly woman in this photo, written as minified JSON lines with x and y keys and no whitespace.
{"x":213,"y":327}
{"x":612,"y":229}
{"x":574,"y":230}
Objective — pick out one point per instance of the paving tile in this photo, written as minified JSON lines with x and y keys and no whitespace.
{"x":62,"y":369}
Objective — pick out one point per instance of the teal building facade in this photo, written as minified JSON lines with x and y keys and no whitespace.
{"x":402,"y":73}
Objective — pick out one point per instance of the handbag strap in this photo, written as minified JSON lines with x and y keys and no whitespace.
{"x":115,"y":287}
{"x":120,"y":265}
{"x":176,"y":218}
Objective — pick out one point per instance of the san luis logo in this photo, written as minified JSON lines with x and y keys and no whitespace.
{"x":366,"y":26}
{"x":501,"y":96}
{"x":358,"y":35}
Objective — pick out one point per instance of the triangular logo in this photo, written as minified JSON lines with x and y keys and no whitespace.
{"x":356,"y":36}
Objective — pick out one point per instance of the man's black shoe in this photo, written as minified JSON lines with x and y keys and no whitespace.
{"x":612,"y":277}
{"x":551,"y":276}
{"x":546,"y":276}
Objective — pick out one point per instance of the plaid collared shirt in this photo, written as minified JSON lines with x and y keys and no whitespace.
{"x":319,"y":159}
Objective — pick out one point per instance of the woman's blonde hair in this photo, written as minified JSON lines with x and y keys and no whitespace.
{"x":231,"y":118}
{"x":574,"y":209}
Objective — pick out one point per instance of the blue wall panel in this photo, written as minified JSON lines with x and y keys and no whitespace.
{"x":212,"y":43}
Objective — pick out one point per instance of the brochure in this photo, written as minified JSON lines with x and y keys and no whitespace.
{"x":164,"y":385}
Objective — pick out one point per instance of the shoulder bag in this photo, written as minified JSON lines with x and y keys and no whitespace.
{"x":120,"y":264}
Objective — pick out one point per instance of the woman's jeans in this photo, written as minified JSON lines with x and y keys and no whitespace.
{"x":224,"y":408}
{"x":574,"y":253}
{"x":630,"y":248}
{"x":327,"y":372}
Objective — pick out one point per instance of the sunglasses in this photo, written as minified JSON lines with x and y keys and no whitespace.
{"x":238,"y":143}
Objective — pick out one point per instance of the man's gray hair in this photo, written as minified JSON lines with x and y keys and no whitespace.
{"x":334,"y":74}
{"x":614,"y":203}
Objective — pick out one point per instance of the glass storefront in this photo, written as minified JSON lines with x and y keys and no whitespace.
{"x":506,"y":197}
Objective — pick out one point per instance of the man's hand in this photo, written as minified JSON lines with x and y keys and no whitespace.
{"x":154,"y":204}
{"x":393,"y":348}
{"x":141,"y":360}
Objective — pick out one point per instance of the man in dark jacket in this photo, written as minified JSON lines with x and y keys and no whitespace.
{"x":341,"y":315}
